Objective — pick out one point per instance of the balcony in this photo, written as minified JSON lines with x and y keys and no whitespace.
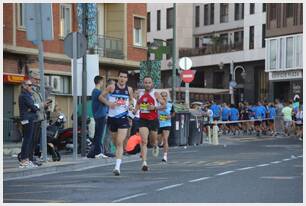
{"x":210,"y":49}
{"x":110,"y":47}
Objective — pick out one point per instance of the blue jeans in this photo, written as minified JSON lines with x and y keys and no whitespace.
{"x":28,"y":132}
{"x":99,"y":128}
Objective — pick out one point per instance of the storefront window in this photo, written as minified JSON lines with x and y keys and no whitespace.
{"x":273,"y":50}
{"x":289,"y":52}
{"x":299,"y":51}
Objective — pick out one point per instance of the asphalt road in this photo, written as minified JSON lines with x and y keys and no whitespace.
{"x":247,"y":170}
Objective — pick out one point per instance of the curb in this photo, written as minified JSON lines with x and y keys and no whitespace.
{"x":53,"y":169}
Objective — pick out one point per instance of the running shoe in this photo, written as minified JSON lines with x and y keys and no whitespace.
{"x":116,"y":172}
{"x":164,"y":160}
{"x":27,"y":164}
{"x":100,"y":156}
{"x":155,"y":151}
{"x":145,"y":168}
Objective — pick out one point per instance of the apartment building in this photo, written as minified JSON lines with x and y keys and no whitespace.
{"x":121,"y":44}
{"x":284,"y":51}
{"x":225,"y":33}
{"x":160,"y":17}
{"x":214,"y":35}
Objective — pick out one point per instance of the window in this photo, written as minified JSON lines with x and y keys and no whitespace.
{"x":212,"y":13}
{"x":197,"y":16}
{"x":264,"y":7}
{"x":206,"y":14}
{"x":218,"y":80}
{"x":21,"y":15}
{"x":289,"y":10}
{"x":169,"y":45}
{"x":196,"y":42}
{"x":65,"y":20}
{"x":170,"y":18}
{"x":282,"y":53}
{"x":252,"y":8}
{"x":209,"y":14}
{"x":238,"y":39}
{"x":289,"y":52}
{"x":263,"y":35}
{"x":138,"y":31}
{"x":301,"y":14}
{"x":158,"y":20}
{"x":272,"y":12}
{"x":59,"y":84}
{"x":148,"y":22}
{"x":273,"y":53}
{"x":224,"y":39}
{"x":251,"y":38}
{"x":239,"y":11}
{"x":299,"y":51}
{"x":223,"y":13}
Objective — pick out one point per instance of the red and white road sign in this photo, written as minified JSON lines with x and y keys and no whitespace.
{"x":187,"y":76}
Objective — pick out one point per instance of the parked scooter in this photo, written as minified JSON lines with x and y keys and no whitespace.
{"x":64,"y":139}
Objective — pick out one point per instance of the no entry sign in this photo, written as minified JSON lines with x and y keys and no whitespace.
{"x":187,"y":76}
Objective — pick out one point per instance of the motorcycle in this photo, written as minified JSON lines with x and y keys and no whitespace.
{"x":64,"y":140}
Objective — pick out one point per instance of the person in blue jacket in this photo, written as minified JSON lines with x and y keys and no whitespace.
{"x":234,"y":116}
{"x":225,"y":114}
{"x":272,"y":115}
{"x":216,"y":111}
{"x":260,"y":114}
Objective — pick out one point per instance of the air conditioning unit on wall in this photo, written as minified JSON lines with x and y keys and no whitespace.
{"x":56,"y":83}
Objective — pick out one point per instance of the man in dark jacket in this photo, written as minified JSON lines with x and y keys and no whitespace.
{"x":27,"y":110}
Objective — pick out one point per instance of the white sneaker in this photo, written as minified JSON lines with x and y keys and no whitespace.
{"x":116,"y":172}
{"x":100,"y":156}
{"x":155,"y":151}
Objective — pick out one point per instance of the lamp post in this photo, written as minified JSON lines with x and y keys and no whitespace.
{"x":233,"y":82}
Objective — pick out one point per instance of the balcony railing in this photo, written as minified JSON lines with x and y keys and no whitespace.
{"x":210,"y":49}
{"x":110,"y":47}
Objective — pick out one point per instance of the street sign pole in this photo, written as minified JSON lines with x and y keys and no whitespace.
{"x":42,"y":77}
{"x":187,"y":87}
{"x":84,"y":86}
{"x":75,"y":100}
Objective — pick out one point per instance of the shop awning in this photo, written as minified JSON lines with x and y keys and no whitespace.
{"x":201,"y":90}
{"x":11,"y":78}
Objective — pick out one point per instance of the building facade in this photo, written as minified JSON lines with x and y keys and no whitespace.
{"x":214,"y":36}
{"x":160,"y":18}
{"x":284,"y":51}
{"x":121,"y":45}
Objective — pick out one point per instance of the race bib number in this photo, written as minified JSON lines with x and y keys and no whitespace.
{"x":144,"y":108}
{"x":163,"y":118}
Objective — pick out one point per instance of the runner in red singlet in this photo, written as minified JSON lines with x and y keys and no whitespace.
{"x":148,"y":106}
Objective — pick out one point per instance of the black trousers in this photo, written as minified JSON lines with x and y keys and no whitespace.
{"x":28,"y":131}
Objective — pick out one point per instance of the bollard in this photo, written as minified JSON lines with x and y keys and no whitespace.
{"x":215,"y":138}
{"x":209,"y":134}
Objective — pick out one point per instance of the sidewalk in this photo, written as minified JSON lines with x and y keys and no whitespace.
{"x":11,"y":170}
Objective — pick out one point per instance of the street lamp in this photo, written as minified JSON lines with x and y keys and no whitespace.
{"x":233,"y":83}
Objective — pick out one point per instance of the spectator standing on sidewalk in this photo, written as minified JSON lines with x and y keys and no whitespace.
{"x":287,"y":113}
{"x":99,"y":111}
{"x":299,"y":122}
{"x":27,"y":109}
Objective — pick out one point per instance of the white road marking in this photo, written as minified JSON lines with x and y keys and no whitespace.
{"x":200,"y":179}
{"x":286,"y":159}
{"x":129,"y":197}
{"x":169,"y":187}
{"x":224,"y":173}
{"x":300,"y":156}
{"x":275,"y":162}
{"x":262,"y":165}
{"x":245,"y":168}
